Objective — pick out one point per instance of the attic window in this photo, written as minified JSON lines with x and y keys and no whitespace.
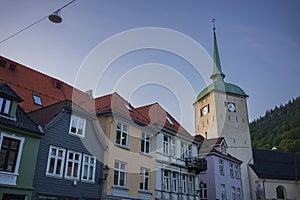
{"x":2,"y":63}
{"x":169,"y":120}
{"x":37,"y":100}
{"x":5,"y":105}
{"x":12,"y":67}
{"x":58,"y":85}
{"x":128,"y":107}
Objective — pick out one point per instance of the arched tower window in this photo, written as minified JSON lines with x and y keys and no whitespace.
{"x":280,"y":191}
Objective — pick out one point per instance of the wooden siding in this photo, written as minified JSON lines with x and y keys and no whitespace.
{"x":58,"y":135}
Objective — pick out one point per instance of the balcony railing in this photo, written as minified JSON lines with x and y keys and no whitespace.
{"x":196,"y":164}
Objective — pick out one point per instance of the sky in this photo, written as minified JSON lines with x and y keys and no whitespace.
{"x":160,"y":50}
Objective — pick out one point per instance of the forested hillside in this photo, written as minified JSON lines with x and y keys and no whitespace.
{"x":279,"y":127}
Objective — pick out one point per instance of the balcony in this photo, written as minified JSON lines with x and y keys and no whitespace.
{"x":196,"y":164}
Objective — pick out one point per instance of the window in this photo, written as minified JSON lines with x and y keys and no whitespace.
{"x":237,"y":171}
{"x":231,"y":170}
{"x":122,"y":135}
{"x":145,"y":143}
{"x":183,"y":183}
{"x":55,"y":162}
{"x":173,"y":147}
{"x":37,"y":100}
{"x":223,"y":188}
{"x":191,"y":185}
{"x":10,"y":154}
{"x":77,"y":126}
{"x":182,"y":149}
{"x":5,"y":105}
{"x":238,"y":194}
{"x":280,"y":192}
{"x":2,"y":63}
{"x":189,"y":151}
{"x":203,"y":191}
{"x":233,"y":193}
{"x":120,"y":174}
{"x":88,"y":168}
{"x":73,"y":165}
{"x":144,"y":179}
{"x":169,"y":120}
{"x":223,"y":148}
{"x":166,"y":183}
{"x":166,"y":145}
{"x":221,"y":166}
{"x":174,"y":181}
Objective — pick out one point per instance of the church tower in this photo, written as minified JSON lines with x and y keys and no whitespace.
{"x":221,"y":111}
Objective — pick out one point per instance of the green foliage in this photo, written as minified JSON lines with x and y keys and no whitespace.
{"x":280,"y":127}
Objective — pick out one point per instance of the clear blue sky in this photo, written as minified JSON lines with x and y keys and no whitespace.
{"x":259,"y":46}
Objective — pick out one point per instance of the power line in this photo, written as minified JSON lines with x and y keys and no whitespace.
{"x":34,"y":23}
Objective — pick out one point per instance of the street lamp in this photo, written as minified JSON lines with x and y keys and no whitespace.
{"x":55,"y":17}
{"x":105,"y":172}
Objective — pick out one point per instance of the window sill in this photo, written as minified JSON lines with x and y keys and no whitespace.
{"x":120,"y":187}
{"x":145,"y":191}
{"x":54,"y":176}
{"x":123,"y":147}
{"x":7,"y":178}
{"x":146,"y":154}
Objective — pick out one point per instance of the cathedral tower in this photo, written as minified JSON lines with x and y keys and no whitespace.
{"x":221,"y":111}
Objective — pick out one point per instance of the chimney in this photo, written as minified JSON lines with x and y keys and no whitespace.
{"x":90,"y":94}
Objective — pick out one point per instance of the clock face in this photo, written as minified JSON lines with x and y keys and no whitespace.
{"x":231,"y":107}
{"x":204,"y":110}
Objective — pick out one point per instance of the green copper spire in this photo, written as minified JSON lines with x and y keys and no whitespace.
{"x":217,"y":70}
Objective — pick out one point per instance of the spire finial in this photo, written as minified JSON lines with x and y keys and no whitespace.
{"x":214,"y":24}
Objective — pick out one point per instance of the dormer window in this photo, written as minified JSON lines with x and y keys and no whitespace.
{"x":5,"y":106}
{"x":128,"y":107}
{"x":37,"y":100}
{"x":169,"y":120}
{"x":223,"y":148}
{"x":77,"y":126}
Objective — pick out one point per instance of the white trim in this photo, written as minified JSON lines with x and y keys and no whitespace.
{"x":10,"y":178}
{"x":56,"y":157}
{"x":74,"y":161}
{"x":119,"y":169}
{"x":78,"y":120}
{"x":89,"y":165}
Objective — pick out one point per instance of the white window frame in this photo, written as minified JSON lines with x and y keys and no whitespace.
{"x":238,"y":194}
{"x":203,"y":192}
{"x":88,"y":164}
{"x":191,"y":184}
{"x":20,"y":150}
{"x":73,"y":162}
{"x":173,"y":147}
{"x":233,"y":193}
{"x":80,"y":123}
{"x":237,"y":171}
{"x":145,"y":178}
{"x":5,"y":106}
{"x":56,"y":158}
{"x":119,"y":170}
{"x":231,"y":170}
{"x":166,"y":144}
{"x":221,"y":166}
{"x":184,"y":183}
{"x":223,"y":192}
{"x":189,"y":151}
{"x":166,"y":180}
{"x":146,"y":141}
{"x":123,"y":133}
{"x":183,"y":149}
{"x":174,"y":179}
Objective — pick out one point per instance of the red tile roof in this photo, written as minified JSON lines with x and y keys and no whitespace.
{"x":157,"y":116}
{"x":26,"y":82}
{"x":115,"y":103}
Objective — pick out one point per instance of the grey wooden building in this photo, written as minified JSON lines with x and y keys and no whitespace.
{"x":69,"y":164}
